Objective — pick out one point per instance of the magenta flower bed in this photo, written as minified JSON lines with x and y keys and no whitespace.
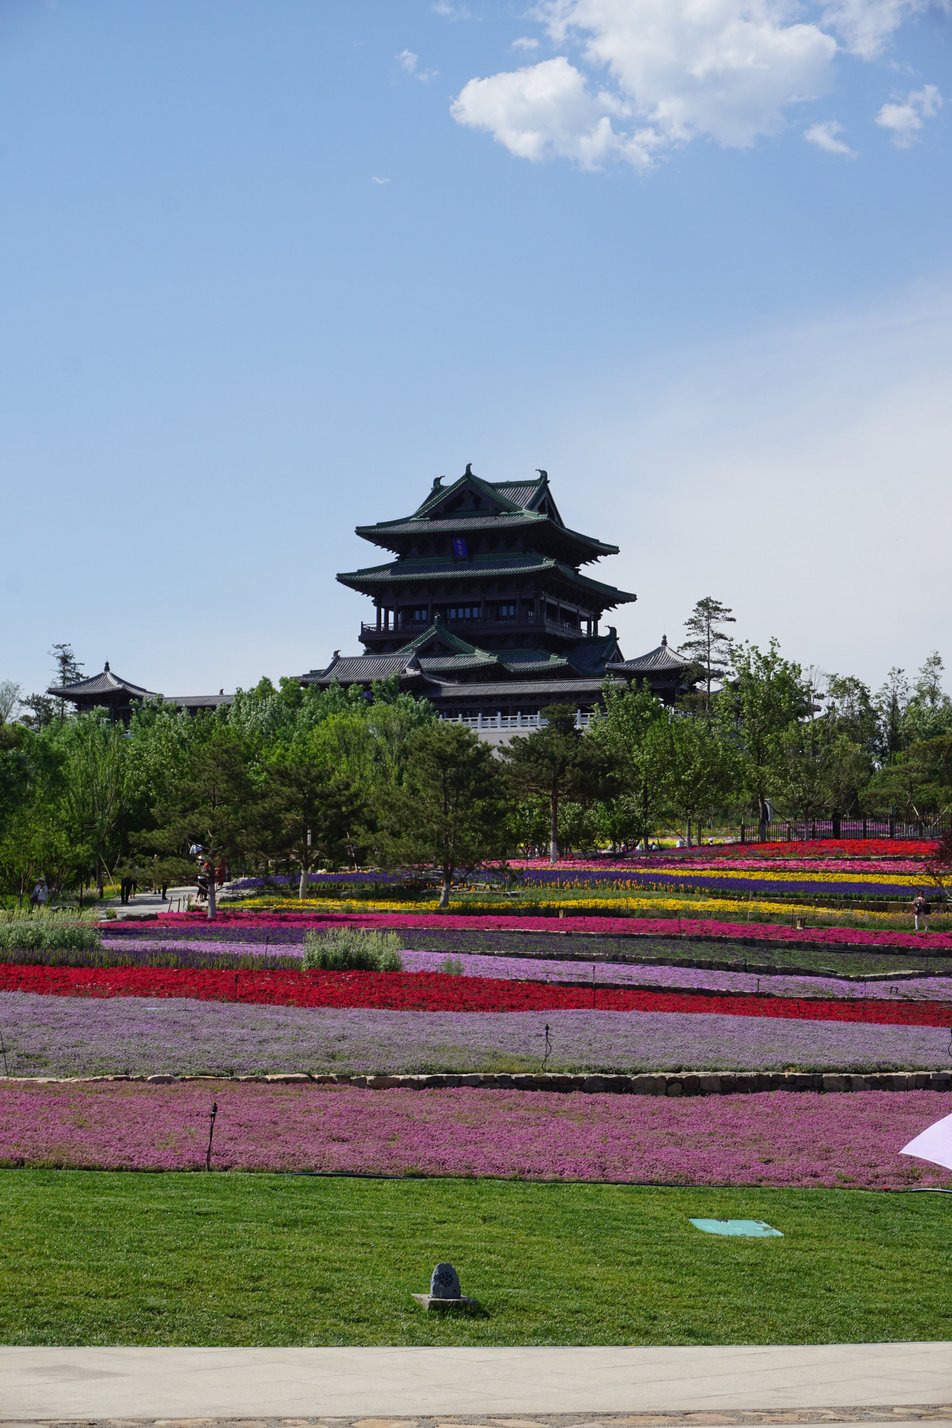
{"x":584,"y":922}
{"x":775,"y":1138}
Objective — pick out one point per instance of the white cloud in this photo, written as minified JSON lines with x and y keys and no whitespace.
{"x":775,"y":457}
{"x":547,"y":111}
{"x":409,"y":62}
{"x":904,"y":118}
{"x":825,"y":135}
{"x":678,"y":70}
{"x":526,"y":43}
{"x":375,"y":178}
{"x":452,"y":12}
{"x":637,"y":77}
{"x":865,"y":26}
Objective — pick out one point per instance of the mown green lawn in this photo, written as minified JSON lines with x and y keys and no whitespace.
{"x":119,"y":1258}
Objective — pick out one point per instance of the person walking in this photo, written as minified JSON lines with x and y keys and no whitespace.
{"x":921,"y":908}
{"x":40,"y":894}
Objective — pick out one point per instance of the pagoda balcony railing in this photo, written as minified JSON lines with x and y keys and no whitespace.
{"x":472,"y":629}
{"x":583,"y":717}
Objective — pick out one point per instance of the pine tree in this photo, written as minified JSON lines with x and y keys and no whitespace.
{"x":709,"y":644}
{"x":68,"y":670}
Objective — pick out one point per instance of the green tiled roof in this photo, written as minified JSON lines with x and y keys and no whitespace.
{"x":483,"y":566}
{"x":383,"y":532}
{"x":439,"y":631}
{"x":514,"y":494}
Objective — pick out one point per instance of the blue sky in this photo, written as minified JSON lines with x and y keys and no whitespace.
{"x":269,"y":266}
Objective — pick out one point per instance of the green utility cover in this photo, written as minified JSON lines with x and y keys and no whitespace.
{"x":758,"y":1229}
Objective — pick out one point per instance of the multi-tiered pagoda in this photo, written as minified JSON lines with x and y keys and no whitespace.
{"x":485,"y":610}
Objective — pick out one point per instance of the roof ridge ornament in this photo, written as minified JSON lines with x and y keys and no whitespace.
{"x":543,"y":475}
{"x":437,"y":483}
{"x":664,"y":641}
{"x":105,"y":668}
{"x":469,"y":469}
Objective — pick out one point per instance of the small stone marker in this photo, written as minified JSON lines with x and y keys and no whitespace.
{"x":445,"y":1292}
{"x":444,"y":1283}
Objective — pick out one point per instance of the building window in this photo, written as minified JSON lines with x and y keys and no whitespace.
{"x":462,"y":612}
{"x":506,"y":612}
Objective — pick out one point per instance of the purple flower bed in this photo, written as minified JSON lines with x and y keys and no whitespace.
{"x":775,"y":1138}
{"x":631,"y":974}
{"x":83,"y":1036}
{"x":188,"y":933}
{"x":696,"y":881}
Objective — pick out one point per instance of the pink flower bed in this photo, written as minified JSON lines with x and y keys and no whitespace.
{"x":608,"y":926}
{"x":772,"y":1138}
{"x":827,"y":849}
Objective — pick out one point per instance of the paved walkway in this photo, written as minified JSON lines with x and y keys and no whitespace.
{"x":871,"y":1383}
{"x":148,"y":904}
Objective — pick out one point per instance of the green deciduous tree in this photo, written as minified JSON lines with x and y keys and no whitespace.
{"x":95,"y":775}
{"x":917,"y":783}
{"x":630,"y":735}
{"x":763,"y":700}
{"x":555,"y":761}
{"x":9,"y":699}
{"x":447,"y":813}
{"x":214,"y":800}
{"x":317,"y":813}
{"x":698,"y":767}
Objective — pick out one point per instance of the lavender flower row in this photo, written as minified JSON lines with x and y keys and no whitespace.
{"x":633,"y":974}
{"x":84,"y":1036}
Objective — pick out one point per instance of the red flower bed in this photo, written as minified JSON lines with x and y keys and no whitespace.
{"x":825,"y":848}
{"x":435,"y":991}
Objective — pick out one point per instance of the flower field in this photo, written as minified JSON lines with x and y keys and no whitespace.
{"x":96,"y":1036}
{"x":437,"y":991}
{"x":874,"y":881}
{"x":776,"y":1139}
{"x":598,"y":989}
{"x":567,"y":901}
{"x":244,"y":950}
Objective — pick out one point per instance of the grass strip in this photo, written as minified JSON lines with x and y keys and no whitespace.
{"x":113,"y":1258}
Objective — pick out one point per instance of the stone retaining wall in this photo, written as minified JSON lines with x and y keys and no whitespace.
{"x":661,"y":1083}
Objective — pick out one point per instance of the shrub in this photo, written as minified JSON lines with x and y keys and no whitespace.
{"x":47,"y":932}
{"x":346,"y":949}
{"x":451,"y":966}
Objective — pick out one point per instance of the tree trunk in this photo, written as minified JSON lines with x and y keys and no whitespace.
{"x":211,"y":894}
{"x":763,"y":819}
{"x":445,"y":891}
{"x":554,"y":826}
{"x":305,"y":865}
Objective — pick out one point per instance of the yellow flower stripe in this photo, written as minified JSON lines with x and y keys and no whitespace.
{"x":528,"y":907}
